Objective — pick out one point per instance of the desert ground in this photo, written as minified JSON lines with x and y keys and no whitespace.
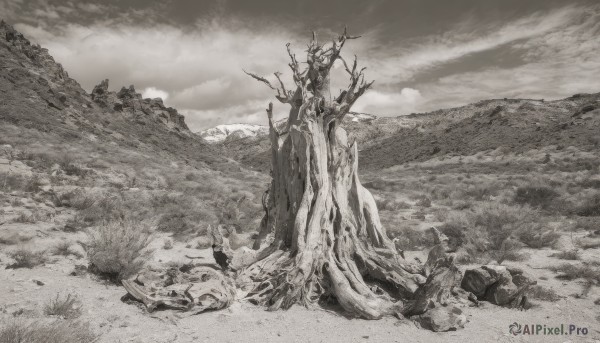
{"x":96,"y":188}
{"x":453,"y":187}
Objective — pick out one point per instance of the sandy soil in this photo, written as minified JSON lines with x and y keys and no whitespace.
{"x":120,"y":322}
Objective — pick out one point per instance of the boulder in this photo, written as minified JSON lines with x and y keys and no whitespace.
{"x":498,"y":284}
{"x":502,"y":292}
{"x":477,"y":281}
{"x":442,"y":318}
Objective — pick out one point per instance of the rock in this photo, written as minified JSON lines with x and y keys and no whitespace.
{"x":143,"y":111}
{"x":38,"y":282}
{"x":477,"y":281}
{"x":502,"y":292}
{"x":442,"y":318}
{"x":498,"y":284}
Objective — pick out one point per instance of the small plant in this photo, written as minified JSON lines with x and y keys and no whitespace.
{"x":62,"y":331}
{"x":30,"y":218}
{"x":544,"y":294}
{"x":62,"y":248}
{"x":118,"y":250}
{"x":588,"y":244}
{"x":175,"y":222}
{"x":569,"y":271}
{"x":535,"y":196}
{"x":68,"y":307}
{"x":535,"y":236}
{"x":590,"y":207}
{"x":25,"y":258}
{"x":168,"y":244}
{"x":424,"y":202}
{"x":572,"y":255}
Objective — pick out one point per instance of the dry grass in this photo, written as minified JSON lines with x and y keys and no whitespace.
{"x":63,"y":248}
{"x":585,"y":243}
{"x":588,"y":272}
{"x":572,"y":255}
{"x":118,"y":250}
{"x":14,"y":238}
{"x":59,"y":331}
{"x":68,"y":307}
{"x":535,"y":196}
{"x":26,"y":258}
{"x":544,"y":294}
{"x":590,"y":206}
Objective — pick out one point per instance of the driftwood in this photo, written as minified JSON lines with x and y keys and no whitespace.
{"x":198,"y":289}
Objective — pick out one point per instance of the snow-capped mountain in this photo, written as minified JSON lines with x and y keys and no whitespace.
{"x":224,"y":132}
{"x":221,"y":133}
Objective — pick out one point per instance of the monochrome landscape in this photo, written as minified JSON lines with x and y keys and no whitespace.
{"x":194,"y":171}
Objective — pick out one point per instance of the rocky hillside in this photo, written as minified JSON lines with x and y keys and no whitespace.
{"x":515,"y":125}
{"x":125,"y":154}
{"x":37,"y":93}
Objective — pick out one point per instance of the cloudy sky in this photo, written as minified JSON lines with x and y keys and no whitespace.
{"x":423,"y":55}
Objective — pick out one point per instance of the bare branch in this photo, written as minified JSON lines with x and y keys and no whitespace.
{"x":282,"y":94}
{"x":261,"y":79}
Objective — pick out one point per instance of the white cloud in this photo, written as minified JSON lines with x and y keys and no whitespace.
{"x":404,"y":102}
{"x":153,"y":92}
{"x":392,"y":64}
{"x":200,"y":69}
{"x":557,"y":64}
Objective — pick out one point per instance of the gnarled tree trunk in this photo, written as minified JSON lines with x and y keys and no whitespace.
{"x":328,"y":239}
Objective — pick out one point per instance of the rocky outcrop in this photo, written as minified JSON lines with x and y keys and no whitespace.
{"x":131,"y":103}
{"x":498,"y":285}
{"x":30,"y":66}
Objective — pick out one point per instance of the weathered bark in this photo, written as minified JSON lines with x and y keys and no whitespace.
{"x":328,"y":239}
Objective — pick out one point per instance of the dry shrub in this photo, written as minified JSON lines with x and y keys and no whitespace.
{"x":68,"y":307}
{"x":11,"y":182}
{"x":572,"y":255}
{"x":14,"y":238}
{"x":105,"y":208}
{"x":410,"y":239}
{"x":490,"y":231}
{"x":587,"y":223}
{"x":588,"y":272}
{"x":77,"y":199}
{"x":62,"y":248}
{"x":544,"y":294}
{"x":60,"y":331}
{"x":168,"y":244}
{"x":175,"y":221}
{"x":27,"y":218}
{"x":424,"y":202}
{"x":541,"y":197}
{"x":585,"y":243}
{"x":391,"y":205}
{"x":26,"y":258}
{"x":590,"y":207}
{"x":535,"y":236}
{"x":118,"y":250}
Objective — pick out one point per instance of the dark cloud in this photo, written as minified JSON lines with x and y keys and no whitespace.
{"x":422,"y":54}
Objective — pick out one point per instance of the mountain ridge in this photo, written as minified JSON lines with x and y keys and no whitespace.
{"x":513,"y":124}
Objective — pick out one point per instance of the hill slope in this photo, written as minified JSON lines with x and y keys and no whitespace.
{"x":514,"y":125}
{"x":132,"y":157}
